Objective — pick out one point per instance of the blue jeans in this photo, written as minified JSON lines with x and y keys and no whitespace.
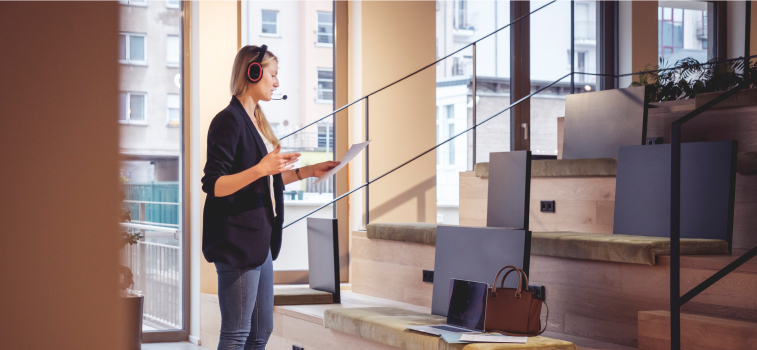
{"x":246,"y":300}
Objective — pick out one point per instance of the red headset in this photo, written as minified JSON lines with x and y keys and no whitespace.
{"x":255,"y":69}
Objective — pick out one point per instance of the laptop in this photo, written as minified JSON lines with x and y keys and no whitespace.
{"x":467,"y":304}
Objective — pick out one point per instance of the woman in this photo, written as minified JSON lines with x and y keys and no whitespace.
{"x":244,"y":178}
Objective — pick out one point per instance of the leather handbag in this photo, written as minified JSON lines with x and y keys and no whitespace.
{"x":513,"y":312}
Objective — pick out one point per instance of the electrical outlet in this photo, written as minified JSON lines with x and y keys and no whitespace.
{"x":295,"y":347}
{"x":654,"y":140}
{"x":547,"y":206}
{"x":428,"y":276}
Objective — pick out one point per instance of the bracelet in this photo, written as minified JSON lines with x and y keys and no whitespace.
{"x":297,"y":171}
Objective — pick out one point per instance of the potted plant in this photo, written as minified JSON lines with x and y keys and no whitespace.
{"x":132,"y":301}
{"x":688,"y":79}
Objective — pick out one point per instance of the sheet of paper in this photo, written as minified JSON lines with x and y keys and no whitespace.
{"x":351,"y":153}
{"x":492,"y":338}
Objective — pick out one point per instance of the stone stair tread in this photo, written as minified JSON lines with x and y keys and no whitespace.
{"x":746,"y":163}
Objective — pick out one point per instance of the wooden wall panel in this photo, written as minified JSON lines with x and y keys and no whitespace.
{"x":473,"y":197}
{"x":584,"y":204}
{"x":392,"y":270}
{"x":697,"y":332}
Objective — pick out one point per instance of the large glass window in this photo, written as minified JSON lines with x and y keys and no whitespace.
{"x":682,"y":30}
{"x":550,"y":41}
{"x":459,"y":23}
{"x":306,"y":76}
{"x":151,"y":167}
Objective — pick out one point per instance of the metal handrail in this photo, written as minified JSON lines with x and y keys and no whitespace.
{"x":418,"y":71}
{"x":431,"y":149}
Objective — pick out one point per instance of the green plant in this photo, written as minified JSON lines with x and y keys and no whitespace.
{"x":128,"y":236}
{"x":688,"y":78}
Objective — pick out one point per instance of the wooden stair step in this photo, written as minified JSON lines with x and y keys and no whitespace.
{"x":697,"y":332}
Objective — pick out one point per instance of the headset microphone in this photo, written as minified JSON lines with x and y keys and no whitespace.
{"x":282,"y":98}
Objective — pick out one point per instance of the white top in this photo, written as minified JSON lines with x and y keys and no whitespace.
{"x":269,"y":147}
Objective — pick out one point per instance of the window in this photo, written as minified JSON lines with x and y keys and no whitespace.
{"x":270,"y":23}
{"x":173,"y":51}
{"x":173,"y":4}
{"x":460,"y":14}
{"x":325,"y":34}
{"x":132,"y":48}
{"x":173,"y":103}
{"x":133,"y":108}
{"x":670,"y":30}
{"x":133,"y":2}
{"x":683,"y":31}
{"x":325,"y":138}
{"x":325,"y":89}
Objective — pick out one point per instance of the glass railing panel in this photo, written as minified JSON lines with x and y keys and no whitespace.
{"x":551,"y":58}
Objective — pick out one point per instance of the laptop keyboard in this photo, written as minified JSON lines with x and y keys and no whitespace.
{"x":450,"y":329}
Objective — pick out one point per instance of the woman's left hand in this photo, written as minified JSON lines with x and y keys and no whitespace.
{"x":321,"y":168}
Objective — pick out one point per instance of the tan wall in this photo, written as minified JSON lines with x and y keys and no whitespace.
{"x":217,"y":49}
{"x":402,"y":118}
{"x":59,"y":214}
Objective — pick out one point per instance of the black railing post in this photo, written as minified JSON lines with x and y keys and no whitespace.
{"x":367,"y":179}
{"x":747,"y":37}
{"x":473,"y":88}
{"x":572,"y":47}
{"x":675,"y":235}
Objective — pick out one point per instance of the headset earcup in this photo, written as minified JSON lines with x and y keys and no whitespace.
{"x":254,"y":72}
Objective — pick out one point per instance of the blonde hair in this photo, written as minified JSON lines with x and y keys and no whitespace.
{"x":239,"y":85}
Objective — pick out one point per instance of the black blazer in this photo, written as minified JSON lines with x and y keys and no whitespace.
{"x":239,"y":228}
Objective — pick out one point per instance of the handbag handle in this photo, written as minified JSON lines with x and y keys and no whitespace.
{"x":502,"y":284}
{"x":520,"y":280}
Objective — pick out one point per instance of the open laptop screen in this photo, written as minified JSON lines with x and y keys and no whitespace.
{"x":467,"y":304}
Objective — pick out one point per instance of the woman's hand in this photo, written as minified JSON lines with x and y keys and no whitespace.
{"x":321,"y":168}
{"x":275,"y":163}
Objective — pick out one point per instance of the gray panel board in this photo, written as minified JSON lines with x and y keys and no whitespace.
{"x":475,"y":254}
{"x":509,"y":189}
{"x":597,"y":123}
{"x":323,"y":256}
{"x":642,"y":197}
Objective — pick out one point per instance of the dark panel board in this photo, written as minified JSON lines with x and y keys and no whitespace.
{"x":323,"y":256}
{"x":597,"y":123}
{"x":708,"y":177}
{"x":475,"y":254}
{"x":509,"y":189}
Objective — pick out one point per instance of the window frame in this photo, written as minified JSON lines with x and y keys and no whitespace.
{"x":317,"y":89}
{"x":176,"y":64}
{"x":318,"y":24}
{"x":262,"y":23}
{"x":127,"y":49}
{"x":136,"y":3}
{"x":127,"y":106}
